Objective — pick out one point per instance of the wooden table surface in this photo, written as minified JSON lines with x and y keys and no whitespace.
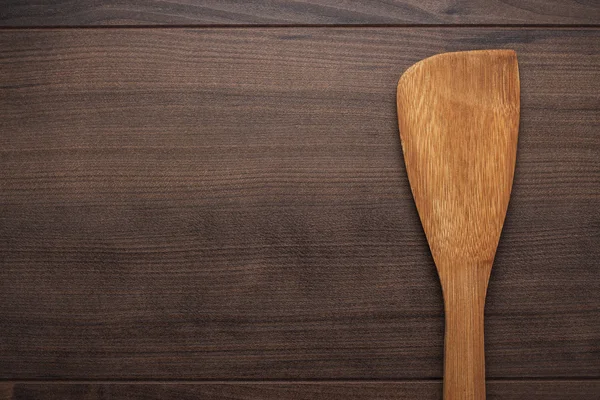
{"x":206,"y":199}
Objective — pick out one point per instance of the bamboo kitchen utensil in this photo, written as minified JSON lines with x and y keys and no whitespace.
{"x":458,"y":115}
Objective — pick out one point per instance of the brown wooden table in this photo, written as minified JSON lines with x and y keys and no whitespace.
{"x":208,"y":200}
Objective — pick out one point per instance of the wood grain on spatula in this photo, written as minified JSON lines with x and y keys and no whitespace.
{"x":458,"y":115}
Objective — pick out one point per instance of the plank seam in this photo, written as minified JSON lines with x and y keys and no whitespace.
{"x":285,"y":382}
{"x":298,"y":26}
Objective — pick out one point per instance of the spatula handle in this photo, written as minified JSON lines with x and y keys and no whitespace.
{"x":464,"y":359}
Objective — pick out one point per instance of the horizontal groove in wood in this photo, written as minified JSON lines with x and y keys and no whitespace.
{"x":215,"y":204}
{"x":307,"y":26}
{"x":268,"y":381}
{"x":541,"y":390}
{"x":261,"y":13}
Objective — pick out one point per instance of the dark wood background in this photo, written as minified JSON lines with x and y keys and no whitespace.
{"x":206,"y":199}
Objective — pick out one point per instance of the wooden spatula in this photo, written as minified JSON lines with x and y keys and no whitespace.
{"x":459,"y":119}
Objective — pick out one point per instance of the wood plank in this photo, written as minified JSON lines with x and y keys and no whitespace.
{"x":209,"y":12}
{"x":233,"y":204}
{"x":422,"y":390}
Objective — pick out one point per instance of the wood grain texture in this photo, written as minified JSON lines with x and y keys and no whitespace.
{"x":211,"y":12}
{"x":232,"y":204}
{"x":6,"y":391}
{"x":423,"y":390}
{"x":458,"y":115}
